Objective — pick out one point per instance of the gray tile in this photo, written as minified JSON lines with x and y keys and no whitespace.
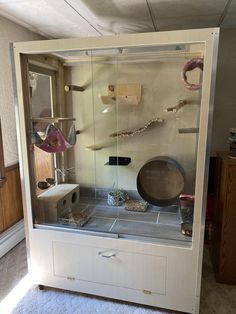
{"x":121,"y":213}
{"x":102,"y":193}
{"x":169,"y":218}
{"x":139,"y":216}
{"x":166,"y":209}
{"x":99,"y":224}
{"x":106,"y":211}
{"x":80,"y":207}
{"x":87,"y":192}
{"x":92,"y":200}
{"x":171,"y":232}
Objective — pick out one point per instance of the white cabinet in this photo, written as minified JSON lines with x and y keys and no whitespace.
{"x":134,"y":271}
{"x":106,"y":249}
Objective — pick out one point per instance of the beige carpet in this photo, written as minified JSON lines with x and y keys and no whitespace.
{"x":216,"y":298}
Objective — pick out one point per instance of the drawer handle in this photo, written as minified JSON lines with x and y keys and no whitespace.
{"x":107,"y":254}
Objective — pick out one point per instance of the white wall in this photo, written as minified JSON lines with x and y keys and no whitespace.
{"x":225,"y":94}
{"x":9,"y":32}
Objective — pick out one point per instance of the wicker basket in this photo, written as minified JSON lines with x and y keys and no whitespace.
{"x":117,"y":197}
{"x":136,"y":205}
{"x":73,"y":219}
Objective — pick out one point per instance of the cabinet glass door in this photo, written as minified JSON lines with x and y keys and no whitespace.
{"x":136,"y":112}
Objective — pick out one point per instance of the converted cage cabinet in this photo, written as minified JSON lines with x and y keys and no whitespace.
{"x":113,"y":141}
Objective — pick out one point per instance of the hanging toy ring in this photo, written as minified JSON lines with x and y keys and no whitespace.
{"x":189,"y":66}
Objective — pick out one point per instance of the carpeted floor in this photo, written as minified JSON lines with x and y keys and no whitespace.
{"x":216,"y":298}
{"x":61,"y":302}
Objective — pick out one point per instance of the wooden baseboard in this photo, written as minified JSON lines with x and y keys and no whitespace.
{"x":11,"y":237}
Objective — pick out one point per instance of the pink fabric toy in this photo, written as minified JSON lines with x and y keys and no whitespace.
{"x":189,"y":66}
{"x":55,"y":141}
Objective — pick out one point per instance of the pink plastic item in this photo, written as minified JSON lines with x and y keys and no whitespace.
{"x":186,"y":200}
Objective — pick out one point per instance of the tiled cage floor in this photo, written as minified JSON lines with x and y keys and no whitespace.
{"x":156,"y":222}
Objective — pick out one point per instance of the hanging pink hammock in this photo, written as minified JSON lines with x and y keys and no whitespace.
{"x":55,"y":141}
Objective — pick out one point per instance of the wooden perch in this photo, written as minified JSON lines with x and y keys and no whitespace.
{"x":94,"y":147}
{"x":188,"y":130}
{"x":69,"y":88}
{"x":176,"y":108}
{"x":137,"y":131}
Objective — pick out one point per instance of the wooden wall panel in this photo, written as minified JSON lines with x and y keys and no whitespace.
{"x":224,"y":222}
{"x":11,"y":208}
{"x":1,"y":216}
{"x":44,"y":167}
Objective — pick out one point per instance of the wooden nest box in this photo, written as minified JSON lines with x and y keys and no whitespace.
{"x":123,"y":94}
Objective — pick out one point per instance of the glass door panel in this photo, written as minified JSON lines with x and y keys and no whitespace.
{"x":159,"y":134}
{"x":41,"y":102}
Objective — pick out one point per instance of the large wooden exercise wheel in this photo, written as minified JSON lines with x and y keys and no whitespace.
{"x":160,"y":181}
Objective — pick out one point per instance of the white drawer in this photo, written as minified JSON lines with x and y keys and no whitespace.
{"x":110,"y":266}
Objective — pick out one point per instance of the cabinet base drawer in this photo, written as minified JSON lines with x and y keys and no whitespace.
{"x":110,"y":266}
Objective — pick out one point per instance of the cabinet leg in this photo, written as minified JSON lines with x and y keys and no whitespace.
{"x":41,"y":287}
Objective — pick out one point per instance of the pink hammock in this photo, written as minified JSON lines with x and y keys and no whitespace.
{"x":55,"y":141}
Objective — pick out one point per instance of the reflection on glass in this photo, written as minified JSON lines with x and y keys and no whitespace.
{"x":40,"y":91}
{"x":41,"y":106}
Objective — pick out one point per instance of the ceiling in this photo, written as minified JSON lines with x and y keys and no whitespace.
{"x":80,"y":18}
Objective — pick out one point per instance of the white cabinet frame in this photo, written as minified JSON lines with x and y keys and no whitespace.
{"x":183,"y":266}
